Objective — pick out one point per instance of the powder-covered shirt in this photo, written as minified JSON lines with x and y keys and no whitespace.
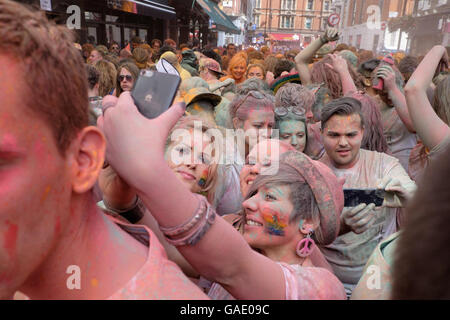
{"x":349,"y":253}
{"x":376,"y":281}
{"x":400,"y":141}
{"x":159,"y":278}
{"x":302,"y":283}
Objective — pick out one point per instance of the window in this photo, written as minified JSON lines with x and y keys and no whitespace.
{"x":258,"y":4}
{"x":256,"y":20}
{"x":287,"y":22}
{"x":310,"y":5}
{"x":308,"y":23}
{"x":326,"y":5}
{"x":288,"y":4}
{"x":354,"y":12}
{"x":227,"y":4}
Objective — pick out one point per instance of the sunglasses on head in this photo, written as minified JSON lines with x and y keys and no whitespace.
{"x":284,"y":111}
{"x":128,"y":77}
{"x":255,"y":94}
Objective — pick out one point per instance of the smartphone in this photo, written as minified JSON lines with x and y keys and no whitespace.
{"x":354,"y":197}
{"x":154,"y":92}
{"x":378,"y":84}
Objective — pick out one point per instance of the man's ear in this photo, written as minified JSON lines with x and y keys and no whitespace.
{"x":88,"y":155}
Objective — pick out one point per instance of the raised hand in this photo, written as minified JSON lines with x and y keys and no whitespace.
{"x":339,"y":64}
{"x":331,"y":34}
{"x":388,"y":75}
{"x":360,"y":218}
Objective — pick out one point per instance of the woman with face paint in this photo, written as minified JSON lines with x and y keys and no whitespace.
{"x":284,"y":214}
{"x":193,"y":160}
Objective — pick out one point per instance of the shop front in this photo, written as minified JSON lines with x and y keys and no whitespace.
{"x":105,"y":21}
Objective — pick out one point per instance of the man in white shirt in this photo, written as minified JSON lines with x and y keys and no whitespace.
{"x":363,"y":226}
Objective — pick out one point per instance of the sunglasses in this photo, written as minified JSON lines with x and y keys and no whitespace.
{"x":284,"y":111}
{"x":128,"y":77}
{"x":255,"y":94}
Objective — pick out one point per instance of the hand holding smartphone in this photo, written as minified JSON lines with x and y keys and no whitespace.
{"x":154,"y":92}
{"x":354,"y":197}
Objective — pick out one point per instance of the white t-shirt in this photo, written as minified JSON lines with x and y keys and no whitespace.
{"x":349,"y":253}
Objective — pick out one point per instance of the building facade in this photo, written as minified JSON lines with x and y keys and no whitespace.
{"x":365,"y":24}
{"x":104,"y":21}
{"x":239,"y":11}
{"x":289,"y":23}
{"x":431,"y":25}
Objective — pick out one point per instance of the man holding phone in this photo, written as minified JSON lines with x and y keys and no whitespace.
{"x":365,"y":225}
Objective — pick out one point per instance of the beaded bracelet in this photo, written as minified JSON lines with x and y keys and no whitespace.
{"x":186,"y":226}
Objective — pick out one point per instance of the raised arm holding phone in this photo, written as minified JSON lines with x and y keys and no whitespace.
{"x":139,"y":160}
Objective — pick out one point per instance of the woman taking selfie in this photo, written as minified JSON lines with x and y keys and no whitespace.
{"x":281,"y":220}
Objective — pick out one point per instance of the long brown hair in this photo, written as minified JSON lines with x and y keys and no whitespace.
{"x":132,"y":68}
{"x":373,"y":138}
{"x":321,"y":73}
{"x":421,"y":267}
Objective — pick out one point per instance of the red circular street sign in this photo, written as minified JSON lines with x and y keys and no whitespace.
{"x":334,"y":19}
{"x":383,"y":26}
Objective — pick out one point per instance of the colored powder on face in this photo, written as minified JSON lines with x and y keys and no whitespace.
{"x":275,"y":225}
{"x":10,"y":239}
{"x":203,"y":178}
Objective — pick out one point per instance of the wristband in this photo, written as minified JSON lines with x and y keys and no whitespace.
{"x":133,"y":214}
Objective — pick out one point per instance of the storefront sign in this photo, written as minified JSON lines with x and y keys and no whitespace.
{"x":46,"y":5}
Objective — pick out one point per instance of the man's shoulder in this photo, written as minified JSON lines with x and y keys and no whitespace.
{"x":375,"y":156}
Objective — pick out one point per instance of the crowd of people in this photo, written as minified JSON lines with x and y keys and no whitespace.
{"x":87,"y":181}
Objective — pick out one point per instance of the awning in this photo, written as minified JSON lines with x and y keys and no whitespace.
{"x":284,"y":36}
{"x":153,"y":8}
{"x":222,"y":21}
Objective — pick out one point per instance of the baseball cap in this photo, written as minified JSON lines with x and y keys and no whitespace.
{"x":212,"y":65}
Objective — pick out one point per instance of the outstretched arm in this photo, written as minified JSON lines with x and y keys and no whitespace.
{"x":222,"y":255}
{"x":118,"y":195}
{"x":305,"y":56}
{"x":431,"y":129}
{"x":397,"y":97}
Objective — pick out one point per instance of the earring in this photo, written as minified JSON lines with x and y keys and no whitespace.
{"x":305,"y":246}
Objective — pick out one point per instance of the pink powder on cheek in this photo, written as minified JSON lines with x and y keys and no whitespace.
{"x":10,"y":239}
